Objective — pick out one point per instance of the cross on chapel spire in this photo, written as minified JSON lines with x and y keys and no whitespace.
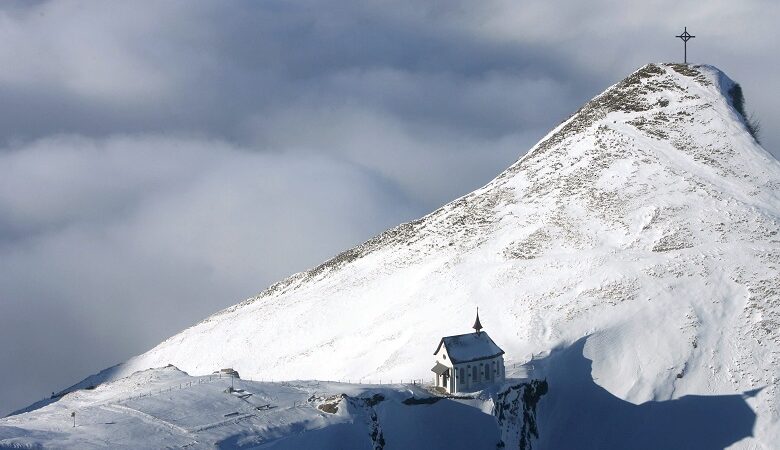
{"x":477,"y":326}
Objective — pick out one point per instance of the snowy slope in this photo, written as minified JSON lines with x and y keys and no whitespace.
{"x":166,"y":408}
{"x":647,"y":222}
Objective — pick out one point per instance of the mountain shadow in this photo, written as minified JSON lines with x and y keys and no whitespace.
{"x":578,"y":413}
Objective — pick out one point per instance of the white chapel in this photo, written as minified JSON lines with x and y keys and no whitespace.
{"x":468,"y":362}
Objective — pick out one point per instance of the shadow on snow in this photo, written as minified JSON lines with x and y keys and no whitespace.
{"x":578,"y":413}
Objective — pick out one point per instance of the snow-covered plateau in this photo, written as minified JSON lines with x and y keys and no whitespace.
{"x":633,"y":253}
{"x":165,"y":408}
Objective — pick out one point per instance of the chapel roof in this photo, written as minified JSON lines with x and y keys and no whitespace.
{"x":469,"y":347}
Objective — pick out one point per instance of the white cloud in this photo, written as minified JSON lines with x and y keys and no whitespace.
{"x":116,"y":243}
{"x":99,"y":51}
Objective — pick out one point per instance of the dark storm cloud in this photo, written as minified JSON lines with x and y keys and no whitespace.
{"x":161,"y":160}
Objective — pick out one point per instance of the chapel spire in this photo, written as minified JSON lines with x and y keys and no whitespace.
{"x":477,"y":326}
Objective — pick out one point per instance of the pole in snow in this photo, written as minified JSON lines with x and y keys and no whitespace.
{"x":73,"y":414}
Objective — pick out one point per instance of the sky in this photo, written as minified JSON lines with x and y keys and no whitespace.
{"x":160,"y":161}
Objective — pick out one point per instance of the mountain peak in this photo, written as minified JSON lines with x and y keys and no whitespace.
{"x":651,"y":205}
{"x":654,"y":90}
{"x":689,"y":112}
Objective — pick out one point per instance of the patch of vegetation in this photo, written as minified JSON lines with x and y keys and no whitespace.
{"x":684,"y":69}
{"x":375,"y":400}
{"x":329,"y":404}
{"x":367,"y":404}
{"x":690,"y":71}
{"x":330,"y":408}
{"x":676,"y":240}
{"x":653,"y":127}
{"x":531,"y":397}
{"x":646,"y":72}
{"x":738,"y":101}
{"x":627,"y":96}
{"x":530,"y":247}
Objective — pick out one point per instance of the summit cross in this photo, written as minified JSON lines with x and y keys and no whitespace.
{"x":685,"y":36}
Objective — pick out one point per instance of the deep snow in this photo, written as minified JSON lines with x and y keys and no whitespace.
{"x":644,"y":229}
{"x":165,"y":407}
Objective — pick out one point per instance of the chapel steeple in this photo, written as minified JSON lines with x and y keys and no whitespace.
{"x":477,"y":326}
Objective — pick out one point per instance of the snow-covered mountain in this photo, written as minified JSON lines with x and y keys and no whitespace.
{"x":642,"y":234}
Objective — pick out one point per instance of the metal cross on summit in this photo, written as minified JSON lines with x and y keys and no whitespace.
{"x":685,"y":36}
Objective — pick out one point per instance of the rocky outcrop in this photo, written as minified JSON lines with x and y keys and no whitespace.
{"x":515,"y":410}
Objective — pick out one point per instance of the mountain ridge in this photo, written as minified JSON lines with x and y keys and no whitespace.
{"x":652,"y":204}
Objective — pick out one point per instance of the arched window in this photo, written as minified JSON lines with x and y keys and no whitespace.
{"x":461,"y":376}
{"x":474,"y":374}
